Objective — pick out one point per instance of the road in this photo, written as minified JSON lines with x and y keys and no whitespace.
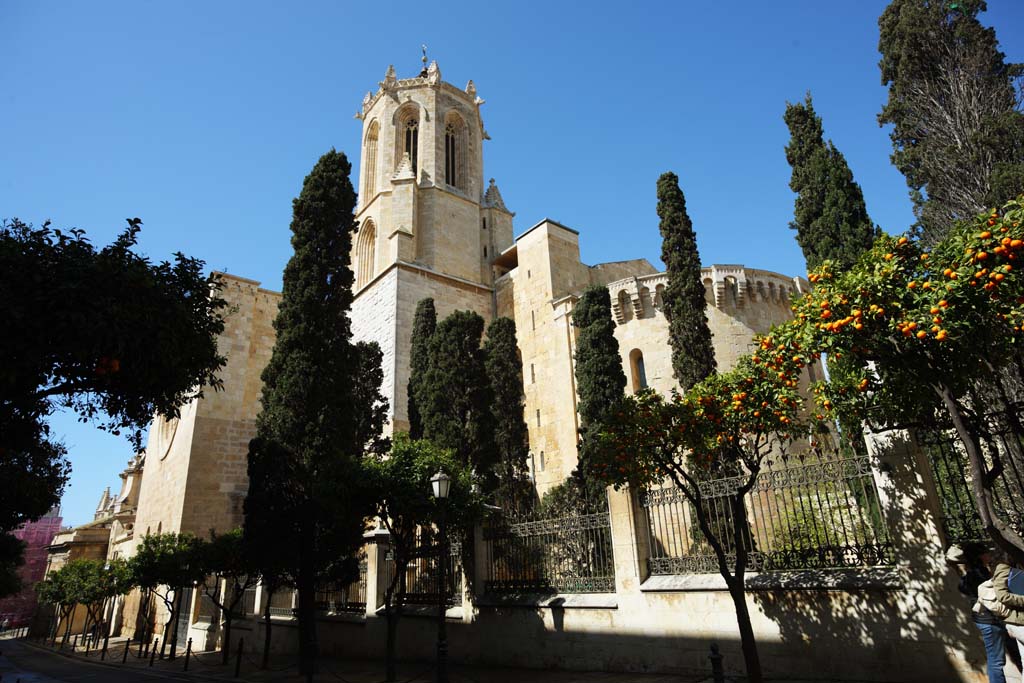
{"x":27,"y":664}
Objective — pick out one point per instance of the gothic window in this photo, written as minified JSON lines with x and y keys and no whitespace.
{"x":366,"y":248}
{"x":639,"y":372}
{"x":370,"y":162}
{"x":409,"y":138}
{"x":455,"y":151}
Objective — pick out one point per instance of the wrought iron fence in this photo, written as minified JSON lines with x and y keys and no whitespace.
{"x":562,"y":555}
{"x":336,"y":598}
{"x":282,"y":603}
{"x":951,"y":474}
{"x":422,"y":573}
{"x":804,"y":512}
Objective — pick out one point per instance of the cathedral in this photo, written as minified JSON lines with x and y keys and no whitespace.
{"x":431,"y":226}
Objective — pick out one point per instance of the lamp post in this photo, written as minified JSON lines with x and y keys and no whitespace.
{"x":441,"y":483}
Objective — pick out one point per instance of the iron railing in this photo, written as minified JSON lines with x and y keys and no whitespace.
{"x":560,"y":555}
{"x":336,"y":598}
{"x":808,"y":512}
{"x":421,"y":579}
{"x":282,"y":603}
{"x":951,"y":474}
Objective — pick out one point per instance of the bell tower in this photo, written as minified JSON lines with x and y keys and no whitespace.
{"x":428,"y":225}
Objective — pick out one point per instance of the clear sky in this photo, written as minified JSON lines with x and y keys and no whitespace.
{"x":203,"y":119}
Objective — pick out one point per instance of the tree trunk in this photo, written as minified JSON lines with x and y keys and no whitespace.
{"x":306,"y":585}
{"x":266,"y":630}
{"x":750,"y":657}
{"x":390,"y":668}
{"x":1004,"y":536}
{"x":226,"y":650}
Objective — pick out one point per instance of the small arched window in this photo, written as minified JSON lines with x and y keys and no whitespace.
{"x":370,"y":162}
{"x":366,"y":253}
{"x":659,"y":297}
{"x":625,"y":305}
{"x":637,"y":370}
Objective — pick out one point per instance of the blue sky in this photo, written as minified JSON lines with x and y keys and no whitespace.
{"x":203,"y":119}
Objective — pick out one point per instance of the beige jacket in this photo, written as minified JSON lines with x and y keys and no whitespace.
{"x":1015,"y":602}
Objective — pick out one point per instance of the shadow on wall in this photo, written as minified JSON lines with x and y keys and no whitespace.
{"x":924,"y":617}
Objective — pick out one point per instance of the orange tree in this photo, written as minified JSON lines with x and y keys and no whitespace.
{"x":936,"y":332}
{"x":728,"y":422}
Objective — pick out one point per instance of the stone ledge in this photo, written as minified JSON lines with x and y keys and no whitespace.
{"x":550,"y":600}
{"x":881,"y":578}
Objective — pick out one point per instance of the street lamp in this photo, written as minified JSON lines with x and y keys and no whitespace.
{"x":441,"y":483}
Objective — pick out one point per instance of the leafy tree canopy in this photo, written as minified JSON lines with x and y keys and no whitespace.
{"x":104,"y":332}
{"x":955,"y":110}
{"x":940,"y":328}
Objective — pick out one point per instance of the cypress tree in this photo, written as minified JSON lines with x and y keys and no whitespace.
{"x":600,"y":380}
{"x":958,"y":129}
{"x":693,"y":356}
{"x":830,"y":218}
{"x":455,"y":397}
{"x":600,"y":383}
{"x":424,"y":323}
{"x":505,"y":374}
{"x":303,"y":503}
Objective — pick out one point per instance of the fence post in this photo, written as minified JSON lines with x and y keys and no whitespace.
{"x":376,"y":548}
{"x":238,"y":656}
{"x":188,"y":652}
{"x":127,"y":646}
{"x":902,"y":476}
{"x":717,"y":675}
{"x":152,"y":652}
{"x":624,"y":542}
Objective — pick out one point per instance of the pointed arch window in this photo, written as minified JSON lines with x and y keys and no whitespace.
{"x":411,"y":139}
{"x":366,"y":253}
{"x":455,"y":152}
{"x":370,"y":162}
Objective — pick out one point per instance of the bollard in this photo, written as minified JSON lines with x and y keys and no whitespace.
{"x":188,"y":652}
{"x":88,"y":642}
{"x":106,"y":641}
{"x":238,"y":656}
{"x":127,"y":644}
{"x":152,"y":652}
{"x":140,"y":648}
{"x":716,"y":664}
{"x":74,"y":644}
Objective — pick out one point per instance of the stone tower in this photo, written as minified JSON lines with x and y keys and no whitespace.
{"x":428,"y":225}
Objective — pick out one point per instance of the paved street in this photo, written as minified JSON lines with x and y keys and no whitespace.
{"x":27,"y":662}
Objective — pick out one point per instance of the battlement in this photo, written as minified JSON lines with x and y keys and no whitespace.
{"x":727,"y":287}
